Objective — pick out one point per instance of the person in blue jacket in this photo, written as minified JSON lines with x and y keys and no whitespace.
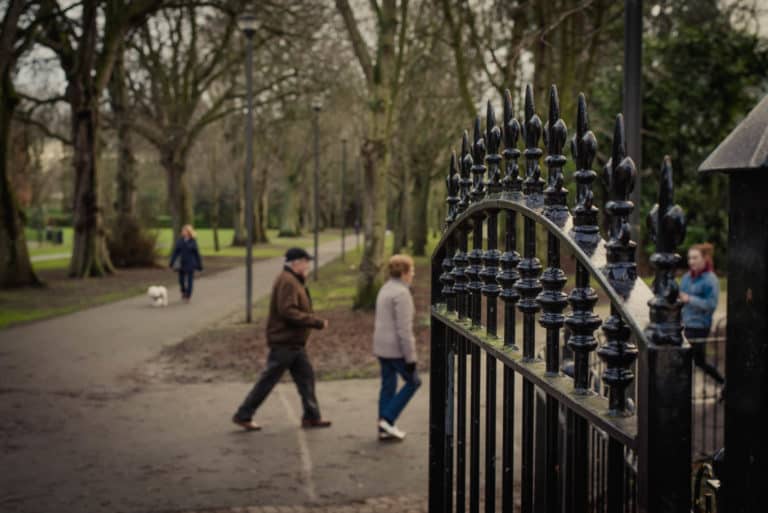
{"x":699,"y":292}
{"x":189,"y":260}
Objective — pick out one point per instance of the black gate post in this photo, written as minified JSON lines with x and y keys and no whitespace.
{"x":744,"y":155}
{"x":665,"y":370}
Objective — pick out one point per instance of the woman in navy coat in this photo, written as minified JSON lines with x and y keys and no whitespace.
{"x":185,"y":260}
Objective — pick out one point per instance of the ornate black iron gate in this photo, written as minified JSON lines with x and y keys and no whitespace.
{"x":565,"y":448}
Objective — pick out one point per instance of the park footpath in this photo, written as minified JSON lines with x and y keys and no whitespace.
{"x":80,"y":432}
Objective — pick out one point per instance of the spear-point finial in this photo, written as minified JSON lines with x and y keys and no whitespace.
{"x":620,"y":170}
{"x":510,"y":139}
{"x":554,"y":105}
{"x":493,"y":159}
{"x":478,"y":157}
{"x":512,"y":183}
{"x":533,"y":184}
{"x":556,"y":133}
{"x":584,"y":148}
{"x":667,"y":226}
{"x":619,"y":175}
{"x":465,"y":167}
{"x":529,"y":110}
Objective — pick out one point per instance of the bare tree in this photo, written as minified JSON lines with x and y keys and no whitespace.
{"x":180,"y":53}
{"x":86,"y":38}
{"x":382,"y":79}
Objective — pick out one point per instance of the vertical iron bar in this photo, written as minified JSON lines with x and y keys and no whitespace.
{"x":449,"y":387}
{"x":490,"y":434}
{"x":529,"y":287}
{"x":474,"y":433}
{"x":633,"y":93}
{"x":508,"y":443}
{"x":476,"y":255}
{"x":615,"y":476}
{"x":461,"y":427}
{"x":664,"y":418}
{"x":552,"y":299}
{"x":437,"y":417}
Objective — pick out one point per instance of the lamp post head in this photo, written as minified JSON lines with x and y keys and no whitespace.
{"x":247,"y":23}
{"x":317,"y":104}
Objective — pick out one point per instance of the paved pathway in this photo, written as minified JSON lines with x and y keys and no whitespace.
{"x":79,"y":434}
{"x":45,"y":258}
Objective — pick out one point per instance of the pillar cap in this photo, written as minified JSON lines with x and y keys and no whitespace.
{"x":745,"y":148}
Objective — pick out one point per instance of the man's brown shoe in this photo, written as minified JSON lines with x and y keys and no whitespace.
{"x":248,"y":425}
{"x":315,"y":423}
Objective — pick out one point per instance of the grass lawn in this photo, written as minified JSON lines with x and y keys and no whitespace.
{"x":62,"y":295}
{"x":275,"y":247}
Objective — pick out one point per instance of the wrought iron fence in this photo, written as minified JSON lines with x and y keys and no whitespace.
{"x":563,"y":447}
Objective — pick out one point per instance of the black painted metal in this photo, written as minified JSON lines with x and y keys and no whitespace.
{"x":437,"y":411}
{"x":742,"y":155}
{"x":578,"y":450}
{"x":490,"y":434}
{"x":474,"y":432}
{"x":475,"y":268}
{"x":665,"y":392}
{"x":508,"y":442}
{"x":461,"y":426}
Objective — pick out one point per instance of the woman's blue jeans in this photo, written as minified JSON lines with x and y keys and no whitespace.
{"x":186,"y":282}
{"x":392,"y":402}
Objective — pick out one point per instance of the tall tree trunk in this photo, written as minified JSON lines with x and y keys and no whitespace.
{"x":215,"y":209}
{"x":90,"y":256}
{"x":260,"y":210}
{"x":420,"y":213}
{"x":290,"y":224}
{"x":375,"y":156}
{"x":238,"y":236}
{"x":178,"y":192}
{"x":15,"y":265}
{"x":125,"y":202}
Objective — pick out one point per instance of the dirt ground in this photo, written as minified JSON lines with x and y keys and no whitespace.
{"x":233,"y":351}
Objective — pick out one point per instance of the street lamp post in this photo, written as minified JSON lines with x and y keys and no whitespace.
{"x":343,"y":180}
{"x":633,"y":98}
{"x":316,"y":107}
{"x":247,"y":24}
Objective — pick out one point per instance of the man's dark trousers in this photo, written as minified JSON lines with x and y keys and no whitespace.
{"x":280,"y":359}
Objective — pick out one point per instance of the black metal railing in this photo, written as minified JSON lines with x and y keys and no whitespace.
{"x":563,"y":447}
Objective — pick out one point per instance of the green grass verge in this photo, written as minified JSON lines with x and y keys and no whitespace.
{"x":274,"y":248}
{"x":9,"y":317}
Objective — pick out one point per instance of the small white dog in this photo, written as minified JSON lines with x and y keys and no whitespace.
{"x":158,"y":294}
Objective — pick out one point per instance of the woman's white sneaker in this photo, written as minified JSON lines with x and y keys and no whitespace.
{"x":391,"y":430}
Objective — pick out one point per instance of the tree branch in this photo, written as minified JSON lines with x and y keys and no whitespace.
{"x":358,"y":43}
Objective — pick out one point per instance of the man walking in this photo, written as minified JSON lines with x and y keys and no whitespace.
{"x":290,"y":320}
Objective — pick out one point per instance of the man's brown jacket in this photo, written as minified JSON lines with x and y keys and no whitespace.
{"x":290,"y":312}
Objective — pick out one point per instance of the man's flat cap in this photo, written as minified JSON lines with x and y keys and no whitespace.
{"x":297,"y":254}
